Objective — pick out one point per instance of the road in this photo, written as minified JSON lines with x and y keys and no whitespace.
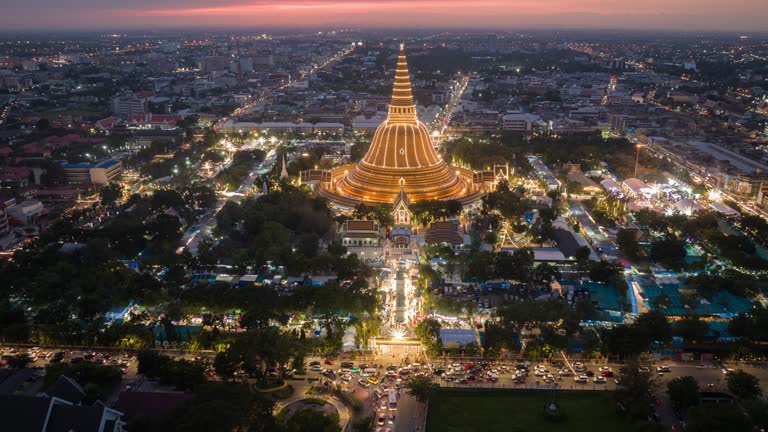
{"x":203,"y":229}
{"x":302,"y":74}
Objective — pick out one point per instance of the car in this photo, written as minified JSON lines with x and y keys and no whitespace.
{"x":316,"y":368}
{"x":363,"y":383}
{"x":345,"y":370}
{"x":599,"y":380}
{"x":355,"y":369}
{"x":373,"y":381}
{"x":314,"y":363}
{"x":463,"y":381}
{"x":643,"y":370}
{"x":661,"y":369}
{"x":378,"y":393}
{"x":607,"y":373}
{"x":391,"y":419}
{"x":384,"y":386}
{"x":380,"y":421}
{"x":328,"y":361}
{"x":726,"y":371}
{"x":347,"y":364}
{"x":346,"y":377}
{"x":604,"y":368}
{"x":438,"y":372}
{"x":581,"y":379}
{"x":589,"y":373}
{"x":565,"y":372}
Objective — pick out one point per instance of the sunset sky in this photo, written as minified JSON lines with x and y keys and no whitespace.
{"x":698,"y":15}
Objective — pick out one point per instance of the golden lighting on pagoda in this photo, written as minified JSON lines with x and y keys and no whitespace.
{"x":401,"y":156}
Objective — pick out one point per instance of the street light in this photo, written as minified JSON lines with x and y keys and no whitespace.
{"x":637,"y":158}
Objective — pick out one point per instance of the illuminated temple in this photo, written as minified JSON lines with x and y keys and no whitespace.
{"x":401,"y":157}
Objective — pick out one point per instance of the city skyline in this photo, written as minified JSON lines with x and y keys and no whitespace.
{"x":686,"y":15}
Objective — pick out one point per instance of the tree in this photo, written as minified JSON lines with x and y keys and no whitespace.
{"x":43,"y":124}
{"x":717,"y":418}
{"x":743,"y":385}
{"x":110,"y":193}
{"x":428,"y":332}
{"x":757,"y":409}
{"x":19,"y":361}
{"x":225,"y":365}
{"x":635,"y":392}
{"x":627,"y":242}
{"x":261,"y":418}
{"x":654,"y":326}
{"x":669,"y":251}
{"x":421,"y":388}
{"x":312,"y":421}
{"x":683,"y":393}
{"x":691,"y":328}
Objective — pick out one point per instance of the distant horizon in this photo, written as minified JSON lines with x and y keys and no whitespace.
{"x":708,"y":16}
{"x":283,"y":30}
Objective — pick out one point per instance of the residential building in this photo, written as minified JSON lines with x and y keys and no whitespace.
{"x":50,"y":414}
{"x":128,"y":104}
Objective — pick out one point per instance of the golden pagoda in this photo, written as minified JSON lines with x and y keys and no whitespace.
{"x":401,"y":157}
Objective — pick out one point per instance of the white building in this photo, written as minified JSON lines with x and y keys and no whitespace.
{"x":25,"y":212}
{"x":519,"y":122}
{"x":127,"y":105}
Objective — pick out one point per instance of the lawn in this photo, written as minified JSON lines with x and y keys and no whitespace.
{"x":487,"y":410}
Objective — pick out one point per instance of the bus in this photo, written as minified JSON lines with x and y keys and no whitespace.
{"x":392,"y":399}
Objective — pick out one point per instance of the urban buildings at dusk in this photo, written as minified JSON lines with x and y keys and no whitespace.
{"x":383,"y":216}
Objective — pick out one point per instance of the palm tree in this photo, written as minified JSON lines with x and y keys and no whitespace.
{"x":421,"y":388}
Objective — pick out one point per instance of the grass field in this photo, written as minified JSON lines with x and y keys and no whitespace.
{"x":486,"y":410}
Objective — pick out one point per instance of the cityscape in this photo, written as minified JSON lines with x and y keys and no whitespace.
{"x":369,"y":216}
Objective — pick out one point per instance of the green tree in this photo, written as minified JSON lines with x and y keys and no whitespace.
{"x":110,"y":193}
{"x":743,"y":384}
{"x":654,"y":326}
{"x":669,"y":251}
{"x":627,"y":242}
{"x":635,"y":392}
{"x":421,"y":388}
{"x":225,"y":365}
{"x":691,"y":328}
{"x":428,"y":332}
{"x":683,"y":393}
{"x":312,"y":421}
{"x":757,"y":409}
{"x":19,"y":361}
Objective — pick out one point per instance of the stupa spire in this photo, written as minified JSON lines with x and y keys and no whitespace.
{"x":402,"y":108}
